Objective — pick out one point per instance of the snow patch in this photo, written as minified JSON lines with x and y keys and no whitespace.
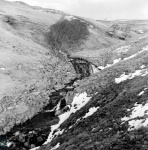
{"x":123,"y":49}
{"x":69,"y":18}
{"x":91,"y":112}
{"x":9,"y":144}
{"x":57,"y":107}
{"x":143,"y":66}
{"x":56,"y":146}
{"x":35,"y":148}
{"x":109,"y":65}
{"x":134,"y":55}
{"x":101,"y":67}
{"x":95,"y":69}
{"x":83,"y":21}
{"x":75,"y":123}
{"x":79,"y":101}
{"x":93,"y":129}
{"x":124,"y":77}
{"x":2,"y":68}
{"x":133,"y":120}
{"x":142,"y":37}
{"x":74,"y":18}
{"x":141,"y":31}
{"x":142,"y":92}
{"x":116,"y":61}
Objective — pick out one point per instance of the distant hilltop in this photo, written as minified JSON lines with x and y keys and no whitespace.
{"x":40,"y":8}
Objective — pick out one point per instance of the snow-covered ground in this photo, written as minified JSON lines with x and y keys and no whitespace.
{"x":116,"y":61}
{"x":56,"y":146}
{"x":109,"y":65}
{"x":79,"y":101}
{"x":123,"y":49}
{"x":141,"y":31}
{"x":2,"y":68}
{"x":95,"y":69}
{"x":124,"y":77}
{"x":134,"y":121}
{"x":69,"y":18}
{"x":142,"y":37}
{"x":91,"y":112}
{"x":141,"y":93}
{"x":91,"y":26}
{"x":9,"y":144}
{"x":134,"y":55}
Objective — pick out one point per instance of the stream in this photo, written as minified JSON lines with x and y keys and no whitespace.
{"x":34,"y":132}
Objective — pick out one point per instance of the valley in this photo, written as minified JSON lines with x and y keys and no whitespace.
{"x":91,"y":96}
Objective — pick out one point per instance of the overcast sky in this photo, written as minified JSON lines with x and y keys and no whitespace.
{"x":98,"y":9}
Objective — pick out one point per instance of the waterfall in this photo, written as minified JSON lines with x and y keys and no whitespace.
{"x":34,"y":131}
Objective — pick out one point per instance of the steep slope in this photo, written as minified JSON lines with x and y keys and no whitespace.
{"x":28,"y":70}
{"x":27,"y":66}
{"x":101,"y":45}
{"x":113,"y":97}
{"x":98,"y":35}
{"x":113,"y":113}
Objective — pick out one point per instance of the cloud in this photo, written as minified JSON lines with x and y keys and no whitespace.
{"x":98,"y":9}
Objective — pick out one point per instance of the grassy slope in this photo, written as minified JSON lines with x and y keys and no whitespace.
{"x":99,"y":43}
{"x":28,"y":64}
{"x":104,"y":130}
{"x":27,"y":67}
{"x":98,"y":38}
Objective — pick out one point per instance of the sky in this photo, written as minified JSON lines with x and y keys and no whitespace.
{"x":97,"y":9}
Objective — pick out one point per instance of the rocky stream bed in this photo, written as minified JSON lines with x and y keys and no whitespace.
{"x":34,"y":132}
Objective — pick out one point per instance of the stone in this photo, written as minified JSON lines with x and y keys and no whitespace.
{"x":9,"y":144}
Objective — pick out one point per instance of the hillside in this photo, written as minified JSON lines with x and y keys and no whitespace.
{"x":115,"y":111}
{"x":96,"y":99}
{"x":26,"y":63}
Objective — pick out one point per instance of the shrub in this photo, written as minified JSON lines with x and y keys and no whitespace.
{"x":10,"y":20}
{"x":66,"y":35}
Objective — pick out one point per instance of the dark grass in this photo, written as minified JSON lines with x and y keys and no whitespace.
{"x":104,"y":130}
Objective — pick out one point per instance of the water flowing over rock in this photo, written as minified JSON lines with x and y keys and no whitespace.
{"x":34,"y":132}
{"x":83,"y":67}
